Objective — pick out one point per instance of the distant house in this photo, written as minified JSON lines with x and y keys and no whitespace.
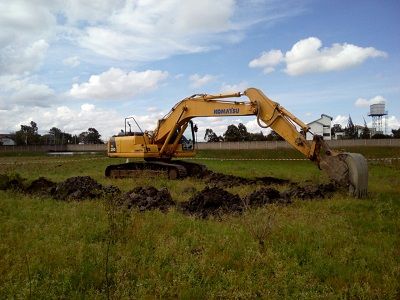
{"x":339,"y":135}
{"x":321,"y":127}
{"x":7,"y":140}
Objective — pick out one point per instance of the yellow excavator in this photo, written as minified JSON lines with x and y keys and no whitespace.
{"x":167,"y":141}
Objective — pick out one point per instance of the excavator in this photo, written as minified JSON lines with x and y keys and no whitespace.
{"x":158,"y":148}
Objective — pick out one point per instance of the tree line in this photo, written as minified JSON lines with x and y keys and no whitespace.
{"x":239,"y":133}
{"x":29,"y":135}
{"x":351,"y":131}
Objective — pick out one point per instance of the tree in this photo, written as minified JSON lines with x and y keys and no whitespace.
{"x":257,"y":136}
{"x":350,"y":130}
{"x":379,"y":136}
{"x":244,"y":135}
{"x":92,"y":136}
{"x":396,"y":133}
{"x":336,"y":128}
{"x":27,"y":135}
{"x":75,"y":139}
{"x":273,"y":136}
{"x":365,"y":134}
{"x":232,"y":134}
{"x":211,"y":137}
{"x":55,"y":135}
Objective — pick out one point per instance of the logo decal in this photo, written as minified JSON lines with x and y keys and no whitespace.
{"x":226,"y":111}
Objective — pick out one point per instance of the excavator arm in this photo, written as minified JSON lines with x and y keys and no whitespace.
{"x":344,"y":168}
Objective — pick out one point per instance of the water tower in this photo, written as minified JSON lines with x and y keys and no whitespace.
{"x":378,"y":113}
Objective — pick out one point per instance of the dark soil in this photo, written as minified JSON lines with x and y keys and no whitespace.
{"x":15,"y":182}
{"x":82,"y":187}
{"x":147,"y":198}
{"x":311,"y":191}
{"x":266,"y":196}
{"x":212,"y":201}
{"x":41,"y":186}
{"x":225,"y":181}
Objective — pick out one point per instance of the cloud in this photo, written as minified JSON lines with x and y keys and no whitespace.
{"x":308,"y":56}
{"x":23,"y":22}
{"x":73,"y":120}
{"x":362,"y":102}
{"x":23,"y":91}
{"x":15,"y":59}
{"x":342,"y":120}
{"x":152,"y":30}
{"x":72,"y":61}
{"x":118,"y":84}
{"x":393,"y":122}
{"x":197,"y":81}
{"x":267,"y":61}
{"x":233,"y":88}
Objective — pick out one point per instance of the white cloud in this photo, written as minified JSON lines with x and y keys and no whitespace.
{"x":342,"y":120}
{"x":23,"y":91}
{"x":362,"y":102}
{"x":197,"y":80}
{"x":15,"y":59}
{"x":152,"y":30}
{"x":23,"y":22}
{"x":267,"y":61}
{"x":393,"y":122}
{"x":233,"y":88}
{"x":118,"y":84}
{"x":106,"y":121}
{"x":308,"y":56}
{"x":87,"y":107}
{"x":72,"y":61}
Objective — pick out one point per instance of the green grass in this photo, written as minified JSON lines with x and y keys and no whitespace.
{"x":336,"y":248}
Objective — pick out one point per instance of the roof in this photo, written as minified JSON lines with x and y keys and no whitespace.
{"x":7,"y":135}
{"x":324,"y":115}
{"x":317,"y":121}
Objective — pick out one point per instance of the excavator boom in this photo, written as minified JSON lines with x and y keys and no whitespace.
{"x":165,"y":142}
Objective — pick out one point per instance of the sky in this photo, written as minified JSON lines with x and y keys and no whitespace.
{"x":75,"y":64}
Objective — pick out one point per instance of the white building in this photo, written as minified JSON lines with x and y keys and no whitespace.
{"x":7,"y":140}
{"x":321,"y":127}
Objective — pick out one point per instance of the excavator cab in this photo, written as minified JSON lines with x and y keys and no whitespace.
{"x":188,"y":139}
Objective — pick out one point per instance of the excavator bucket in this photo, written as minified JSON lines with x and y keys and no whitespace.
{"x":349,"y":170}
{"x":357,"y":174}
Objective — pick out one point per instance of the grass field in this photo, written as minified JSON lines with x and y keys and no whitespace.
{"x":325,"y":248}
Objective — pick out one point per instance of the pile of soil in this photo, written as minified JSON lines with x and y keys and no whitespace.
{"x":15,"y":182}
{"x":310,"y":191}
{"x":41,"y":186}
{"x":212,"y":201}
{"x":225,"y":181}
{"x":81,"y":187}
{"x":266,"y":196}
{"x":146,"y":198}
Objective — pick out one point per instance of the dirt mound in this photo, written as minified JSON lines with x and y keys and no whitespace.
{"x":265,"y":196}
{"x":310,"y":191}
{"x":82,"y":187}
{"x":146,"y":198}
{"x":15,"y":182}
{"x":41,"y":186}
{"x":224,"y":180}
{"x":212,"y":201}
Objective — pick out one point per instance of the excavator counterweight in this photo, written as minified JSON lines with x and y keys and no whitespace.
{"x":168,"y":141}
